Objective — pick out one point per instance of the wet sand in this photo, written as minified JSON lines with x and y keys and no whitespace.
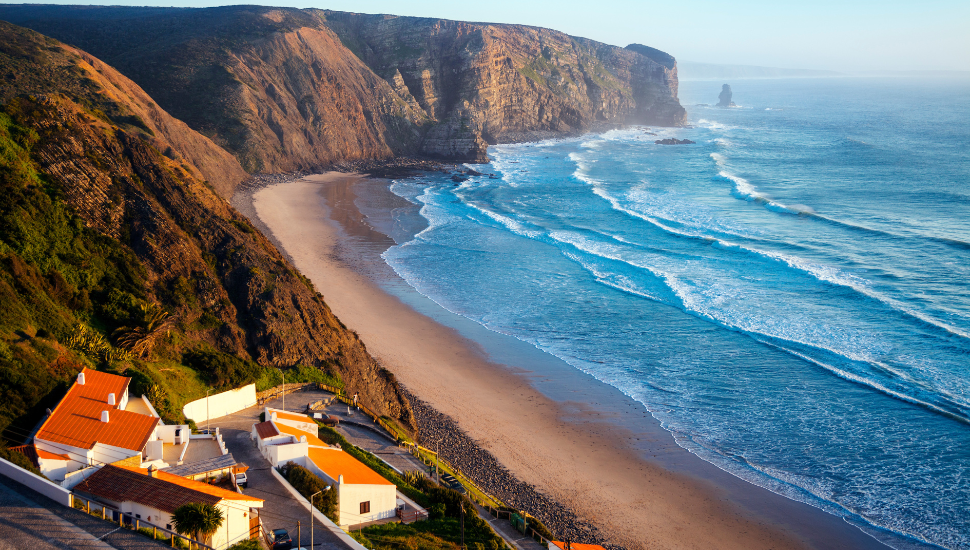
{"x":581,"y":442}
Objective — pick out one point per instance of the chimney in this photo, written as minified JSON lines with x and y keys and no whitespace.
{"x":111,"y":399}
{"x":80,"y":378}
{"x":340,"y":479}
{"x":152,"y":471}
{"x":272,"y":416}
{"x":104,"y":416}
{"x":302,"y":439}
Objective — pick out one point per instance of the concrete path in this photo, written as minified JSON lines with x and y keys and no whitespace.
{"x":281,"y":510}
{"x":31,"y":520}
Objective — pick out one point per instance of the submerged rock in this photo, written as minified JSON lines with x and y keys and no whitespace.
{"x":673,"y":141}
{"x":725,"y":97}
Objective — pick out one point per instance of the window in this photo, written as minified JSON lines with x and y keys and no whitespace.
{"x":365,"y":507}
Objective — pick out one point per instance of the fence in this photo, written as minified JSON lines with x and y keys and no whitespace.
{"x":522,"y":520}
{"x":378,"y":419}
{"x":131,"y":522}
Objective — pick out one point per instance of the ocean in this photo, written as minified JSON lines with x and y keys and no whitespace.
{"x":789,"y":296}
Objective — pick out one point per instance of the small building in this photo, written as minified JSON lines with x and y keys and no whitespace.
{"x":92,"y":426}
{"x":152,"y":496}
{"x":363,"y":494}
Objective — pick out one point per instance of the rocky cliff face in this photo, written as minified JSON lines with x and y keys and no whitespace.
{"x":123,"y":175}
{"x":279,"y":90}
{"x":276,"y":88}
{"x":506,"y":83}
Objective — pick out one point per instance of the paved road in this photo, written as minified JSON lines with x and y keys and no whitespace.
{"x":31,"y":520}
{"x":281,"y":510}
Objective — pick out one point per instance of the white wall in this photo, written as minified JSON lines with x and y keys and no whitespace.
{"x":55,"y":470}
{"x":383,"y":502}
{"x":221,"y":404}
{"x":279,"y":455}
{"x":35,"y":482}
{"x":167,"y":433}
{"x":102,"y":454}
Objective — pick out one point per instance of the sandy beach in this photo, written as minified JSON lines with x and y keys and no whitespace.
{"x":612,"y":464}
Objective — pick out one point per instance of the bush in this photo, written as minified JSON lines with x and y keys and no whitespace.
{"x":221,"y":370}
{"x":307,"y":483}
{"x":251,"y":544}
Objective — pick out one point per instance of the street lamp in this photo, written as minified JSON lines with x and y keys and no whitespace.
{"x":311,"y":513}
{"x":283,"y":378}
{"x":207,"y":409}
{"x":311,"y":517}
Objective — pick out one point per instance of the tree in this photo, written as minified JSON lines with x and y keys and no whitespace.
{"x":140,"y":338}
{"x":197,"y":519}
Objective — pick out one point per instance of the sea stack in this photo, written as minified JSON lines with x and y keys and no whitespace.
{"x":725,"y":97}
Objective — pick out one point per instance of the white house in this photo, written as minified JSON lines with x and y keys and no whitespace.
{"x":153,"y":496}
{"x":93,"y":425}
{"x":364,"y":495}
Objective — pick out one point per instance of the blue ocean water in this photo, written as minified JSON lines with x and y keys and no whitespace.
{"x":790,"y":296}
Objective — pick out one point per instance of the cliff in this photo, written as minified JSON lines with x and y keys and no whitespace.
{"x":285,"y":89}
{"x":106,"y":217}
{"x":508,"y":83}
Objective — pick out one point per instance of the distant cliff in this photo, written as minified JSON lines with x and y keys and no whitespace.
{"x":103,"y":212}
{"x":284,"y":89}
{"x":485,"y":83}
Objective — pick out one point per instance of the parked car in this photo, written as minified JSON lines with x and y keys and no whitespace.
{"x":242,"y":480}
{"x":282,"y":540}
{"x":330,"y":420}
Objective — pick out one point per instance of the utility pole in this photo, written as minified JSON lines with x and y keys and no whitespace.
{"x":298,"y":539}
{"x":462,"y":524}
{"x":437,"y":469}
{"x":207,"y":409}
{"x":311,"y":517}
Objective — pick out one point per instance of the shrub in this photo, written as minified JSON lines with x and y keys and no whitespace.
{"x":307,"y":483}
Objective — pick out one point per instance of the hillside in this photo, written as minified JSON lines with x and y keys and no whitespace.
{"x":116,"y":254}
{"x":285,"y":89}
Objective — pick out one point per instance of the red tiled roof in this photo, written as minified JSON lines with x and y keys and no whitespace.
{"x":166,"y":492}
{"x":76,"y":421}
{"x":29,"y":451}
{"x":266,"y":429}
{"x":336,"y":463}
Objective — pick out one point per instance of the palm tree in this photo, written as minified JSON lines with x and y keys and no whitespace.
{"x":140,"y":339}
{"x":197,"y":519}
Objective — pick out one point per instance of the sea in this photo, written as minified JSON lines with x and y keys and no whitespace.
{"x":789,"y":296}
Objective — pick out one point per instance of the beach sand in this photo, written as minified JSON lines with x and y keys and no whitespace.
{"x":597,"y":452}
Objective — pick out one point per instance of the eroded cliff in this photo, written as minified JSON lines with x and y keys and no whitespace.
{"x":285,"y":89}
{"x":84,"y":173}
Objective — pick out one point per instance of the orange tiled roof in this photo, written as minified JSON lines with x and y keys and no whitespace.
{"x":291,"y":416}
{"x":41,"y":453}
{"x":266,"y":429}
{"x":76,"y":421}
{"x":310,"y":438}
{"x":164,"y":492}
{"x":577,"y":546}
{"x":336,"y":463}
{"x":29,"y":451}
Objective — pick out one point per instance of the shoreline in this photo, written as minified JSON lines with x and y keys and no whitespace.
{"x":647,"y":491}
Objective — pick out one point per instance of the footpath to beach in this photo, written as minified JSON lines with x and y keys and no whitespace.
{"x":574,"y":457}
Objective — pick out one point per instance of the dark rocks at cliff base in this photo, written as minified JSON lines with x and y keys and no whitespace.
{"x":439,"y":431}
{"x":725,"y":97}
{"x":672,"y":141}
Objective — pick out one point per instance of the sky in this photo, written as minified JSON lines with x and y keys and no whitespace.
{"x":841,"y":35}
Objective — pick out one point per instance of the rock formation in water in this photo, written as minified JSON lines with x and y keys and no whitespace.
{"x":285,"y":89}
{"x":105,"y":206}
{"x":724,"y":98}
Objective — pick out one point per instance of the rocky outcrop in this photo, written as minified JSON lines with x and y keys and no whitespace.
{"x":195,"y":255}
{"x":288,"y":89}
{"x":724,"y":98}
{"x":506,"y":83}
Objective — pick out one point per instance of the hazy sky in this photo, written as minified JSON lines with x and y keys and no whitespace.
{"x":813,"y":34}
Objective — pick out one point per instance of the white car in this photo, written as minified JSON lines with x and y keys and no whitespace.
{"x":242,"y":480}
